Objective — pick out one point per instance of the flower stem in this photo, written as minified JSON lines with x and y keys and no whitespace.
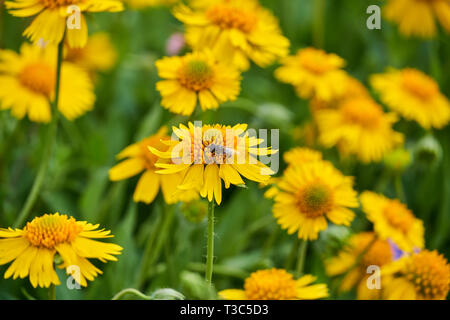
{"x":318,"y":23}
{"x":210,"y":244}
{"x":48,"y":147}
{"x":399,"y":188}
{"x":131,"y":291}
{"x":301,"y":258}
{"x":52,"y":292}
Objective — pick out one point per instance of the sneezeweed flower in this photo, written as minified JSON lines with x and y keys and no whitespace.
{"x":362,"y":251}
{"x":421,"y":276}
{"x":137,"y":158}
{"x":309,"y":195}
{"x":33,"y":249}
{"x":28,"y":79}
{"x":277,"y":284}
{"x":237,"y":31}
{"x":52,"y":15}
{"x":300,"y":155}
{"x":393,"y":220}
{"x":99,"y":54}
{"x":358,"y":127}
{"x":413,"y":95}
{"x":212,"y":153}
{"x":196,"y":77}
{"x":314,"y":74}
{"x":418,"y":17}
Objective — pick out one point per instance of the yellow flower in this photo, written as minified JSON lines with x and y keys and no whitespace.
{"x":27,"y":84}
{"x":196,"y":76}
{"x":417,"y":17}
{"x":414,"y":95}
{"x":358,"y":127}
{"x":311,"y":193}
{"x":137,"y":158}
{"x":398,"y":160}
{"x":52,"y":16}
{"x":300,"y":155}
{"x":33,"y":249}
{"x":277,"y":284}
{"x":139,"y":4}
{"x":314,"y":74}
{"x":211,"y":154}
{"x":99,"y":53}
{"x":237,"y":31}
{"x":420,"y":276}
{"x":363,"y":250}
{"x":393,"y":220}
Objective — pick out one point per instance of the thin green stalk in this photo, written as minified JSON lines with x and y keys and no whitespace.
{"x":48,"y":147}
{"x":52,"y":292}
{"x":319,"y":23}
{"x":210,"y":244}
{"x":399,"y":188}
{"x":135,"y":292}
{"x":301,"y":258}
{"x":221,"y":270}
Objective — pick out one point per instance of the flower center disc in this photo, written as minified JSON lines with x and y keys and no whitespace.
{"x":39,"y":78}
{"x":228,"y":17}
{"x":418,"y":84}
{"x":316,"y":61}
{"x":51,"y":229}
{"x":399,"y":216}
{"x":379,"y":253}
{"x":196,"y":75}
{"x":274,"y":284}
{"x":430,"y":274}
{"x":59,"y":3}
{"x":362,"y":112}
{"x":315,"y":200}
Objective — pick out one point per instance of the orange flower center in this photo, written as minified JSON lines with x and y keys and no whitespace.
{"x":273,"y":284}
{"x":196,"y":75}
{"x":430,"y":274}
{"x":315,"y":200}
{"x":316,"y":61}
{"x":228,"y":17}
{"x":51,"y":229}
{"x":419,"y":84}
{"x":399,"y":216}
{"x":362,"y":112}
{"x":52,"y":4}
{"x":379,"y":253}
{"x":38,"y":77}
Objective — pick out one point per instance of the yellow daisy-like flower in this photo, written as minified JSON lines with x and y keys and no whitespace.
{"x":27,"y":84}
{"x":277,"y":284}
{"x":420,"y":276}
{"x":33,"y":249}
{"x":393,"y":220}
{"x":363,"y":250}
{"x":314,"y":74}
{"x":418,"y":17}
{"x":137,"y":158}
{"x":300,"y":155}
{"x":52,"y":15}
{"x":196,"y":77}
{"x":211,"y":154}
{"x":311,"y":193}
{"x":358,"y":127}
{"x":99,"y":53}
{"x":237,"y":31}
{"x":413,"y":95}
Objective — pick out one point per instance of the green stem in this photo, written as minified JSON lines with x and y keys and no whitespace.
{"x":52,"y":292}
{"x":318,"y":23}
{"x":48,"y":147}
{"x":120,"y":294}
{"x":210,"y":244}
{"x":301,"y":258}
{"x":221,"y":270}
{"x":399,"y":188}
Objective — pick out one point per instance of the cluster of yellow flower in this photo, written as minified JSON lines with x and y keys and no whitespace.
{"x":226,"y":36}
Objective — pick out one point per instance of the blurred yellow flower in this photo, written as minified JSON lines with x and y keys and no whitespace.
{"x":413,"y":95}
{"x":139,"y":4}
{"x":212,"y":153}
{"x":358,"y":127}
{"x":393,"y":220}
{"x":137,"y":158}
{"x":99,"y":54}
{"x":314,"y":74}
{"x":420,"y":276}
{"x":33,"y":249}
{"x":300,"y":155}
{"x":52,"y":15}
{"x":417,"y":17}
{"x":277,"y":284}
{"x":196,"y":76}
{"x":237,"y":31}
{"x":309,"y":194}
{"x":27,"y":84}
{"x":363,"y":250}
